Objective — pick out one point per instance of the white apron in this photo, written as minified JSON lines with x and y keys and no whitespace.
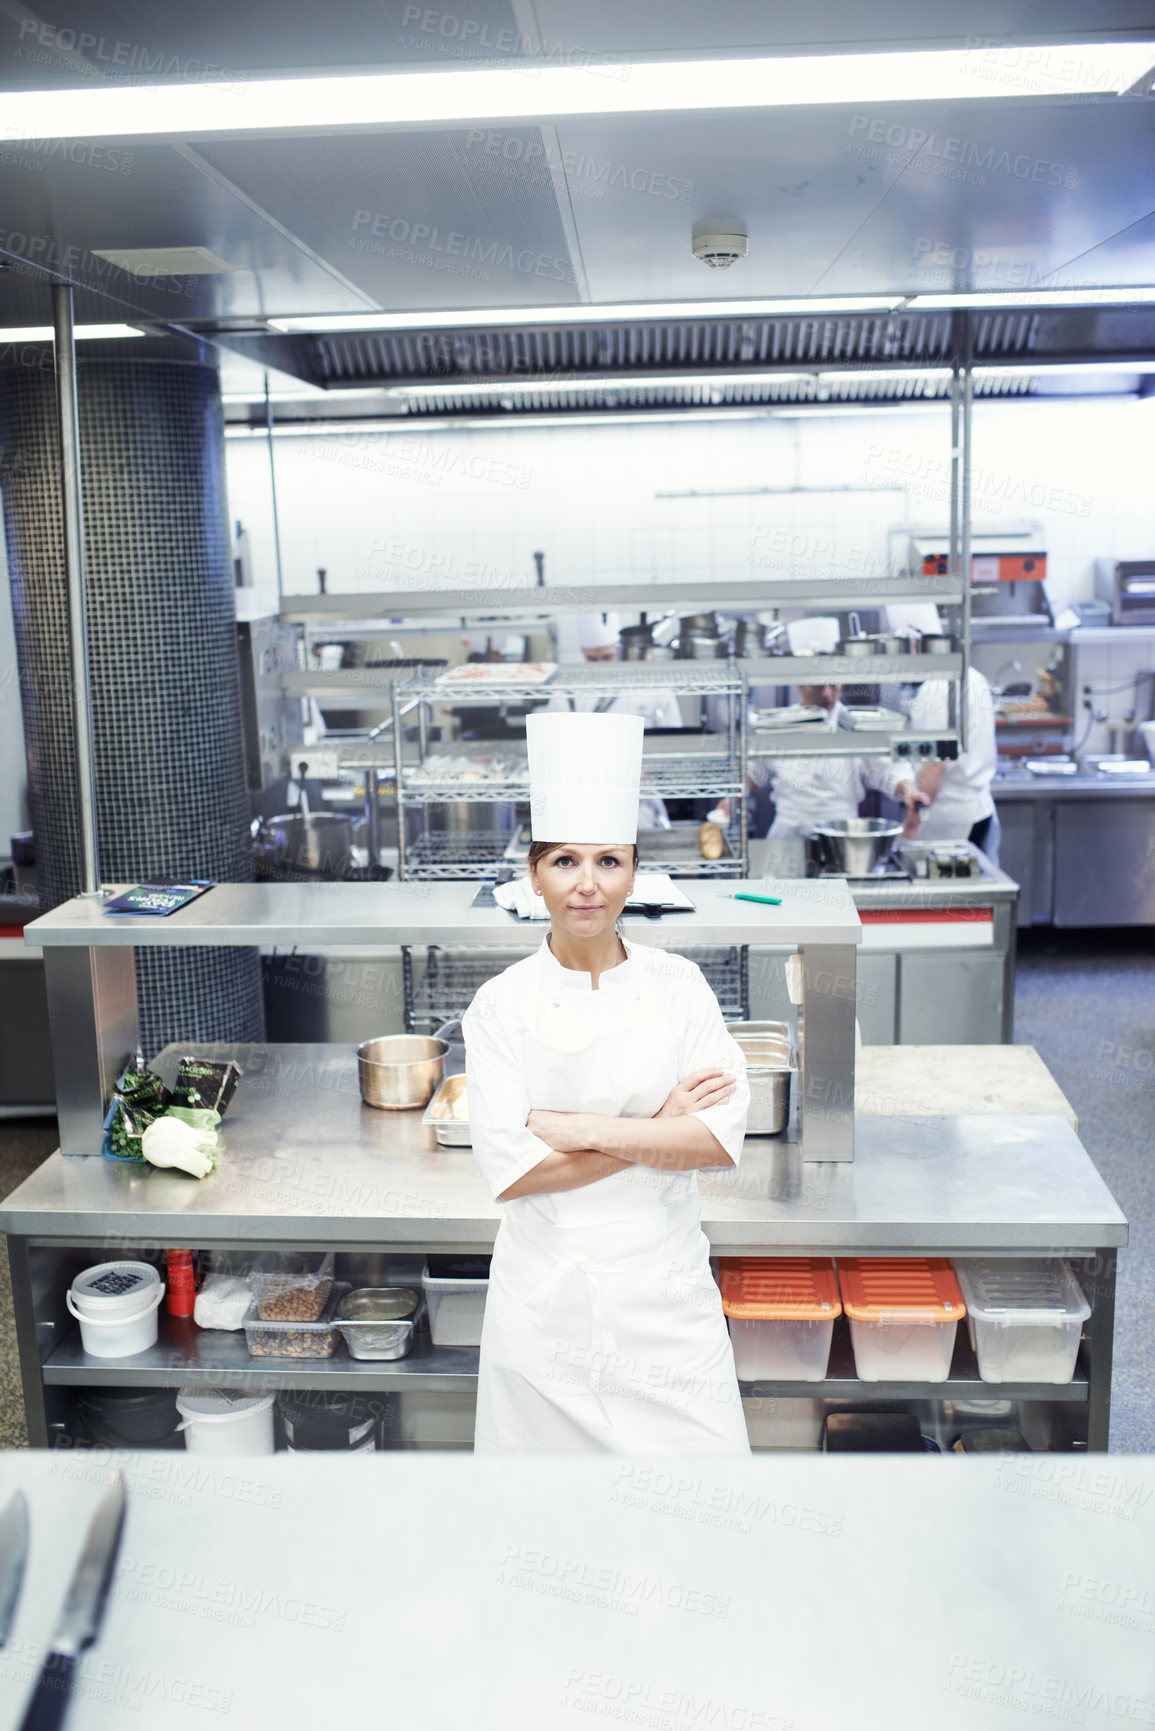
{"x":603,"y":1326}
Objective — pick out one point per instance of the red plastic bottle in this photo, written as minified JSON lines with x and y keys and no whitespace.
{"x":182,"y":1290}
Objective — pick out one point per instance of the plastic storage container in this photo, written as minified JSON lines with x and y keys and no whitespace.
{"x":904,"y":1314}
{"x":781,"y":1313}
{"x":115,"y":1304}
{"x":292,"y":1286}
{"x":275,"y":1338}
{"x":1025,"y":1316}
{"x":216,"y":1422}
{"x":455,"y":1289}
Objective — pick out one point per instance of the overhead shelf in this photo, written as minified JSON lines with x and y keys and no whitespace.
{"x":849,"y":669}
{"x":737,"y":595}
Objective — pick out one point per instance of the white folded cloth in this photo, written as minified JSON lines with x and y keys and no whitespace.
{"x":519,"y":897}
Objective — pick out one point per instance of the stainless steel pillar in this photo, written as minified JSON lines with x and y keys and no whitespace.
{"x":72,"y":516}
{"x":826,"y":1026}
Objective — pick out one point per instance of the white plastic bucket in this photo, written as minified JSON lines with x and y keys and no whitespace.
{"x":217,"y":1423}
{"x":127,"y":1331}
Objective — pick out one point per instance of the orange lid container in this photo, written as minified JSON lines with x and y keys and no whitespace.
{"x":899,"y":1288}
{"x":779,"y":1288}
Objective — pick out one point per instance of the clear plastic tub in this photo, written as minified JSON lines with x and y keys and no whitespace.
{"x":781,"y":1313}
{"x":295,"y":1338}
{"x":456,"y":1308}
{"x":292,"y":1285}
{"x":1025,"y":1316}
{"x":904,"y":1314}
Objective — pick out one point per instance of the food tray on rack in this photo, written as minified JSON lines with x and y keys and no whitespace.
{"x":790,"y":715}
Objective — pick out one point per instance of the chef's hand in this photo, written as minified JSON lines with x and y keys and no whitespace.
{"x":700,"y":1089}
{"x":912,"y":797}
{"x":561,"y":1130}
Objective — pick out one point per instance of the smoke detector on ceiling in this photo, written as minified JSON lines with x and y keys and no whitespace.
{"x":719,"y":242}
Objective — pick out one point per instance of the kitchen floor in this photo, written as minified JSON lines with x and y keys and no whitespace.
{"x":1083,"y":1000}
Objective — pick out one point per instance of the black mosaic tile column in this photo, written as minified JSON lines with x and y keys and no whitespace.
{"x":170,"y":788}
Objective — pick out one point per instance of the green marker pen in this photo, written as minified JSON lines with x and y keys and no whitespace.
{"x":771,"y":901}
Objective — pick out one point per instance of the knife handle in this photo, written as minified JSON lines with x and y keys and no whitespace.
{"x":49,"y":1703}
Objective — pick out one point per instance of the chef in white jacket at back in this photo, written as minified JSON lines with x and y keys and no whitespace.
{"x":601,"y":1077}
{"x":808,"y":791}
{"x":960,"y":806}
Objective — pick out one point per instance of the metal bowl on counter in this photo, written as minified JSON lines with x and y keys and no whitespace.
{"x":769,"y":1053}
{"x":400,"y":1071}
{"x":851,"y":846}
{"x":379,"y":1322}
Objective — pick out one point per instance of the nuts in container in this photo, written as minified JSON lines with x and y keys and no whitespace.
{"x":292,"y":1286}
{"x":296,"y":1339}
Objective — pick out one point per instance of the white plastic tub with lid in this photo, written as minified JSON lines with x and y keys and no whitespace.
{"x":216,"y":1422}
{"x":115,"y":1304}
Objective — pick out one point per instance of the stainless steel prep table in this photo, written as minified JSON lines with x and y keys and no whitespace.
{"x":307,"y":1164}
{"x":88,"y":958}
{"x":1082,"y":847}
{"x":534,"y":1595}
{"x":919,"y":981}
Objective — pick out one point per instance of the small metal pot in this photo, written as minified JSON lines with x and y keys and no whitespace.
{"x":400,"y":1071}
{"x":937,"y":643}
{"x":659,"y":652}
{"x":700,"y":646}
{"x":636,"y":641}
{"x":888,"y":643}
{"x":749,"y":639}
{"x":851,"y":846}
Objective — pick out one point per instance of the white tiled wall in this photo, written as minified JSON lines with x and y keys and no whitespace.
{"x":468,"y":508}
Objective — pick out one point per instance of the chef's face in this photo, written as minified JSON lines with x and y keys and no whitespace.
{"x":819,"y":696}
{"x":585,"y":884}
{"x":601,"y":652}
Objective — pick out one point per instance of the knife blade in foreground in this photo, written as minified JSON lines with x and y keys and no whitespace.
{"x":13,"y":1556}
{"x":83,"y":1609}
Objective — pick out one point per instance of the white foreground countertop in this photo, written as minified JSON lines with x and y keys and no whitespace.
{"x":431,"y":1592}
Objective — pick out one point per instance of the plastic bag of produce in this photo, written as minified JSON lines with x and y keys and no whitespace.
{"x":208,"y":1083}
{"x":140,"y":1097}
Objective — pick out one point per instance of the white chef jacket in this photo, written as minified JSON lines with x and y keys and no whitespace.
{"x":964,"y":797}
{"x":657,"y":708}
{"x":603,"y":1324}
{"x":813,"y":790}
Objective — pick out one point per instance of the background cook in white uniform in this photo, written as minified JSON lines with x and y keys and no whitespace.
{"x":961,"y":808}
{"x":598,"y":636}
{"x":604,"y":1327}
{"x":811,"y":790}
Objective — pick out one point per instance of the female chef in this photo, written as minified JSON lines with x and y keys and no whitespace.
{"x":600,"y":1079}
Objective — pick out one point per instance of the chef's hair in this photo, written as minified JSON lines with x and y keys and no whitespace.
{"x":539,"y":849}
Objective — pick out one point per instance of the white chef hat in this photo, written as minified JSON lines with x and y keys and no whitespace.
{"x":584,"y":776}
{"x":597,"y":631}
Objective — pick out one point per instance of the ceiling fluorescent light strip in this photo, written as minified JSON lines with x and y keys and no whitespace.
{"x":82,"y":333}
{"x":623,"y":312}
{"x":1011,"y":300}
{"x":601,"y":87}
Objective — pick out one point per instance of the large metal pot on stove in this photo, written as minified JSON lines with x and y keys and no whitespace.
{"x":320,"y":843}
{"x":851,"y":846}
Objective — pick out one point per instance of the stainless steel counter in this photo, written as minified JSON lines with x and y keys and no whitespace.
{"x":307,"y":1163}
{"x":440,"y":913}
{"x":1080,"y":847}
{"x":1021,"y":784}
{"x":539,"y":1595}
